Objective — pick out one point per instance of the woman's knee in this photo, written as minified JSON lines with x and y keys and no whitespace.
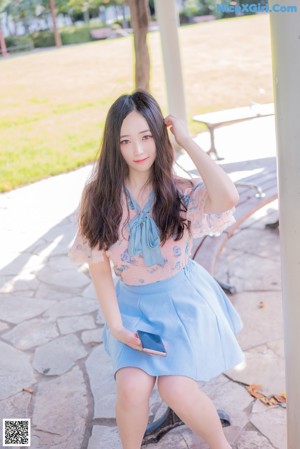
{"x":134,"y":386}
{"x":176,"y":389}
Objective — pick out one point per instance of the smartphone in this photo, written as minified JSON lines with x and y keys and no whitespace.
{"x":152,"y":343}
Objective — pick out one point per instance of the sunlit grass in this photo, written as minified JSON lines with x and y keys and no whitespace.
{"x":53,"y":103}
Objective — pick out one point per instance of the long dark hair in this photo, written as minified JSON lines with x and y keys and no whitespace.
{"x":101,"y":208}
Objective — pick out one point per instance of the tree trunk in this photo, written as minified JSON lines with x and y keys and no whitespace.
{"x":25,"y":25}
{"x":55,"y":30}
{"x":3,"y":44}
{"x":15,"y":26}
{"x":8,"y":26}
{"x":86,"y":14}
{"x":124,"y":21}
{"x":102,"y":11}
{"x":139,"y":11}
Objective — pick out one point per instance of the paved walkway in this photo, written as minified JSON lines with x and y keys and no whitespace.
{"x":53,"y":368}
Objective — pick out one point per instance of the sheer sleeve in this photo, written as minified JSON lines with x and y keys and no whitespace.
{"x":202,"y":223}
{"x":80,"y":251}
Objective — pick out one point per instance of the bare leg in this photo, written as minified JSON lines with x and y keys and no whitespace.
{"x":134,"y":387}
{"x":195,"y":409}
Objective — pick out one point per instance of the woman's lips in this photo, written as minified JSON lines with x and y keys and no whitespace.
{"x":141,"y":160}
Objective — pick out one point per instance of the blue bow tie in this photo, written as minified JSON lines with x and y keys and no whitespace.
{"x":144,"y":238}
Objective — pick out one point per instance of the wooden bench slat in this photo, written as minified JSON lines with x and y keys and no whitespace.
{"x":209,"y":251}
{"x":248,"y":194}
{"x":259,"y":177}
{"x":249,"y":208}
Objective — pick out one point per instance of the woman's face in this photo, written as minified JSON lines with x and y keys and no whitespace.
{"x":137,"y":144}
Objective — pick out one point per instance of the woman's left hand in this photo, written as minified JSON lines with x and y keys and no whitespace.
{"x":178,"y":128}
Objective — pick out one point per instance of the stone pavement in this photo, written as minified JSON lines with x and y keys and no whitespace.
{"x":53,"y":368}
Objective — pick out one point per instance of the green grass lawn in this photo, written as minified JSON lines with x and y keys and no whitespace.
{"x":53,"y":103}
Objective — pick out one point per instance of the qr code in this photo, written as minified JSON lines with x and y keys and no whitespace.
{"x":16,"y":432}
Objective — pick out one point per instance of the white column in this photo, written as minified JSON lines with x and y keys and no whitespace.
{"x":285,"y":37}
{"x":168,"y":21}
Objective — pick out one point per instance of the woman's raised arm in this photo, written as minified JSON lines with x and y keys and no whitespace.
{"x":222,"y":193}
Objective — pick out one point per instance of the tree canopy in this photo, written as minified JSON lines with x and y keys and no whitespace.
{"x":23,"y":10}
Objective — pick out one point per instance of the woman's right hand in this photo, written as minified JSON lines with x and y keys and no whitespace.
{"x":128,"y":338}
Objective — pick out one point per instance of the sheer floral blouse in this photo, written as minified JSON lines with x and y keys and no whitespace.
{"x":138,"y":256}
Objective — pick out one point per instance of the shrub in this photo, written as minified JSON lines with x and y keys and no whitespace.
{"x":43,"y":38}
{"x":19,"y":41}
{"x":75,"y":35}
{"x":69,"y":35}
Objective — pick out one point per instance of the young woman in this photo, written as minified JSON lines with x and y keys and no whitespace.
{"x":136,"y":213}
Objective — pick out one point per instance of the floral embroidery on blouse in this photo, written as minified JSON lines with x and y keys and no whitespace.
{"x":178,"y":265}
{"x":176,"y":251}
{"x":153,"y":269}
{"x":125,"y":257}
{"x":121,"y":268}
{"x":185,"y":199}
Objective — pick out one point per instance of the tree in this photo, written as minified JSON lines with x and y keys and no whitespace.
{"x":139,"y":11}
{"x":19,"y":11}
{"x":3,"y":44}
{"x":55,"y":30}
{"x":3,"y":4}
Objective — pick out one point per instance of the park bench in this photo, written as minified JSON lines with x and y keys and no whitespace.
{"x":102,"y":33}
{"x":107,"y":33}
{"x":255,"y":192}
{"x":25,"y":47}
{"x":217,"y":119}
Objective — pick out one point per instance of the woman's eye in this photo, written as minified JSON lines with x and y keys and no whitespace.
{"x":124,"y":142}
{"x":147,"y":136}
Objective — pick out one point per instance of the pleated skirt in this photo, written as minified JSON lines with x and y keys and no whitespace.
{"x":194,"y":318}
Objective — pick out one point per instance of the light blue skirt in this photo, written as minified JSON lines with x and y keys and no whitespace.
{"x":194,"y":318}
